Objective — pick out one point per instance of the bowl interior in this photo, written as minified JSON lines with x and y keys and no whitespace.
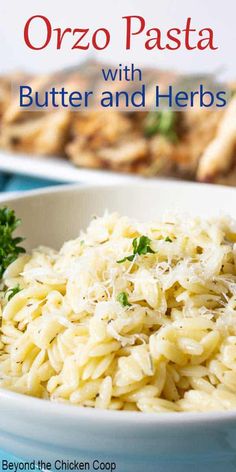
{"x":52,"y":216}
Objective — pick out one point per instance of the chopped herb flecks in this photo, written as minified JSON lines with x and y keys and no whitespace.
{"x":141,"y":246}
{"x":168,"y":240}
{"x":11,"y":292}
{"x":161,"y":122}
{"x":122,"y":297}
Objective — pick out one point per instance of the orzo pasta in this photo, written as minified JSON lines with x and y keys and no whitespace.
{"x":128,"y":316}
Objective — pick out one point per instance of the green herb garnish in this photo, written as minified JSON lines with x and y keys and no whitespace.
{"x":11,"y":292}
{"x":141,"y":246}
{"x":161,"y":122}
{"x":122,"y":297}
{"x":9,"y":246}
{"x":168,"y":240}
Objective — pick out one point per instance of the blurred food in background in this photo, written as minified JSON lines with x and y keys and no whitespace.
{"x":198,"y":143}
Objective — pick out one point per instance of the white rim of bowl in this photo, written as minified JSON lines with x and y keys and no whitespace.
{"x":68,"y":411}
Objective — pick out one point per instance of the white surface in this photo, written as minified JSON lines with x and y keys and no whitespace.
{"x":60,"y":170}
{"x":172,"y":442}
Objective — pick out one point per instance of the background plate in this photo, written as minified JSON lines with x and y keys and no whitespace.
{"x":59,"y":169}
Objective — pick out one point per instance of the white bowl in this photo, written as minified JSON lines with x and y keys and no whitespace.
{"x":137,"y":442}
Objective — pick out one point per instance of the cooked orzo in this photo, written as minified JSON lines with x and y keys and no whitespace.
{"x":128,"y":316}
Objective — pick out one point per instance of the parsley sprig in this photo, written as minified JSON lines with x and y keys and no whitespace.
{"x":141,"y":246}
{"x":9,"y":246}
{"x":122,"y":298}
